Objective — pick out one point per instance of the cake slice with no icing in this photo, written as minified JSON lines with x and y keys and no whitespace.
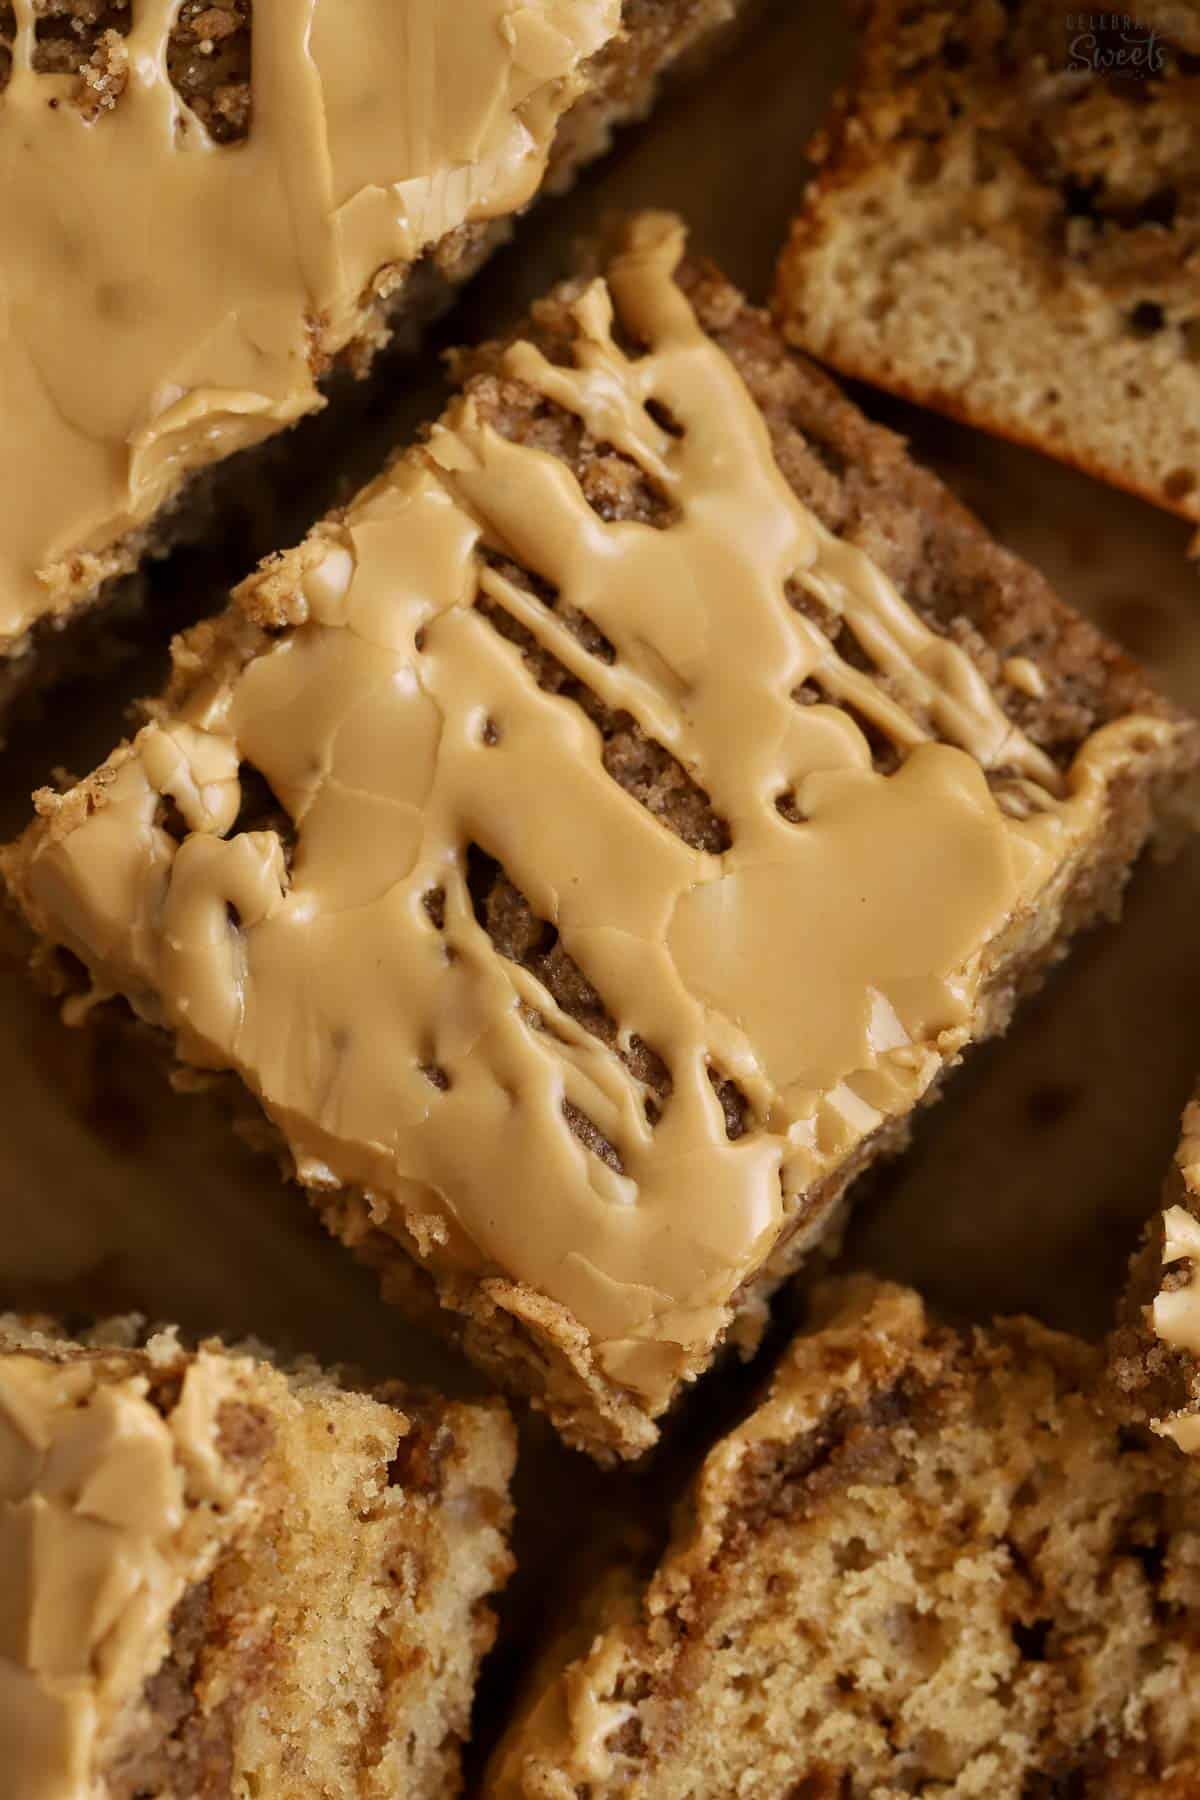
{"x":1005,"y":225}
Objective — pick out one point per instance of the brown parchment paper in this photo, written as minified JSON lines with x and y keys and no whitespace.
{"x":1024,"y":1189}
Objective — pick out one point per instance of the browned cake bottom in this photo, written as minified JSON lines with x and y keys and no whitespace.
{"x":925,"y":1565}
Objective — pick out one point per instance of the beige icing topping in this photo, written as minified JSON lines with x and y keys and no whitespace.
{"x":97,"y":1543}
{"x":1025,"y":676}
{"x":582,"y":1717}
{"x":165,"y":299}
{"x":571,"y":1724}
{"x":831,"y":967}
{"x":1176,"y":1312}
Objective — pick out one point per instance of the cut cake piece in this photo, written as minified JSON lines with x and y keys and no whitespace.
{"x":204,"y":209}
{"x":1006,"y":226}
{"x":592,"y":845}
{"x":927,"y":1563}
{"x":222,"y":1579}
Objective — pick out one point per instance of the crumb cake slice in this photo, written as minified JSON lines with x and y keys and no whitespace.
{"x":204,"y":208}
{"x":927,"y":1563}
{"x":590,"y":846}
{"x":1006,"y":226}
{"x":1156,"y":1346}
{"x":223,"y":1580}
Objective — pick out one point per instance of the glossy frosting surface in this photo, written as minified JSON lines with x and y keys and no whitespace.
{"x":829,"y":964}
{"x":166,"y":299}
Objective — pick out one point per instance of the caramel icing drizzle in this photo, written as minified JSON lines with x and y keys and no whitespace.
{"x":165,"y":299}
{"x":831,"y":967}
{"x":102,"y":1526}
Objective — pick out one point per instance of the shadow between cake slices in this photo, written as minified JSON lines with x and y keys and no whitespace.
{"x":851,"y":777}
{"x":290,"y":236}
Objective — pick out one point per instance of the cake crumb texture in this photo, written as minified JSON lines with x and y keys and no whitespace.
{"x":928,"y":1564}
{"x":1006,"y":225}
{"x":208,"y":60}
{"x":231,"y":1580}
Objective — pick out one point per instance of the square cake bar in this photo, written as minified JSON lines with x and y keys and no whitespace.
{"x":219,"y":1578}
{"x":591,"y":845}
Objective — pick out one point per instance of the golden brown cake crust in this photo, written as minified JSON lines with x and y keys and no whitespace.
{"x":1006,"y":226}
{"x":892,"y":1579}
